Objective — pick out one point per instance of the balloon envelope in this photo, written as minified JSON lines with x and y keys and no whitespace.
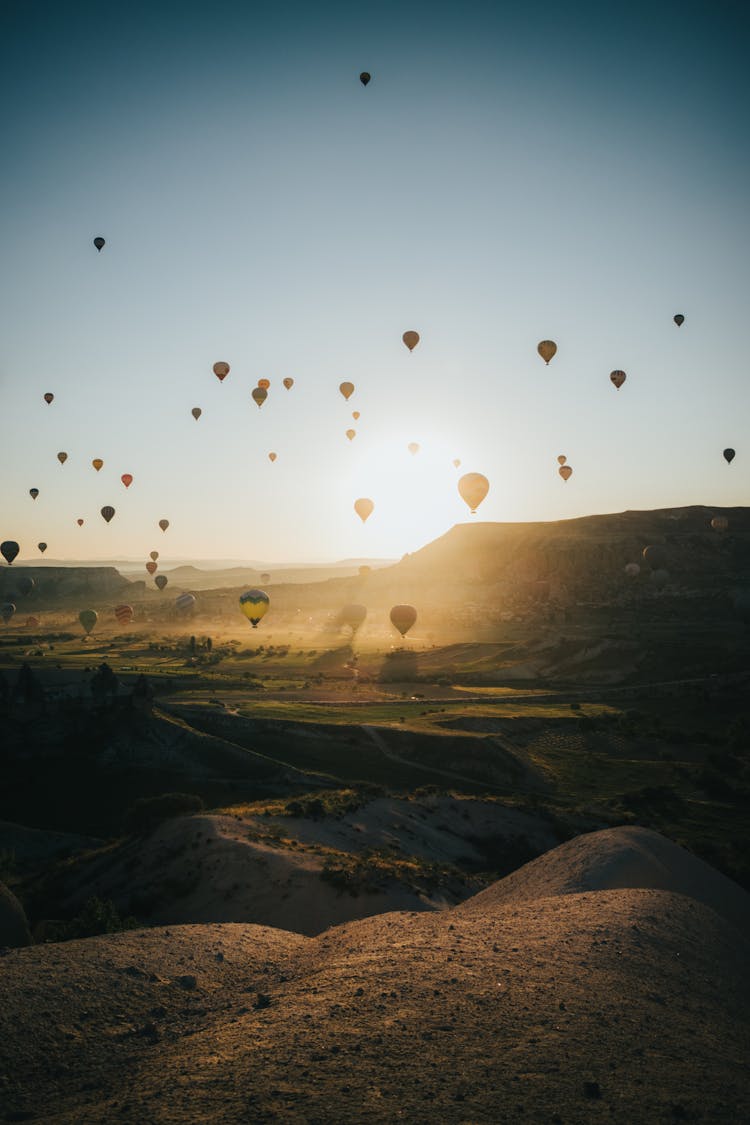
{"x":618,"y":378}
{"x":153,"y":555}
{"x":127,"y":479}
{"x":347,"y":389}
{"x":546,"y":349}
{"x":632,"y":570}
{"x":99,"y":243}
{"x":124,"y":614}
{"x":364,"y":508}
{"x":353,"y":616}
{"x":729,"y":456}
{"x":97,"y":463}
{"x":33,"y":493}
{"x":562,"y":459}
{"x":259,"y":395}
{"x":264,"y":384}
{"x":679,"y":319}
{"x":48,"y":397}
{"x":221,"y":370}
{"x":473,"y":487}
{"x":720,"y":523}
{"x":164,"y":524}
{"x":254,"y":604}
{"x":9,"y":549}
{"x":660,"y":577}
{"x":26,"y":585}
{"x":152,"y":567}
{"x":351,"y":434}
{"x":196,"y":412}
{"x":62,"y":458}
{"x":413,"y":447}
{"x":185,"y":602}
{"x":456,"y":463}
{"x":271,"y":457}
{"x":42,"y":547}
{"x":88,"y":619}
{"x":355,"y":415}
{"x":107,"y":512}
{"x":161,"y":581}
{"x":80,"y":523}
{"x":364,"y":77}
{"x":565,"y":472}
{"x":265,"y":576}
{"x":403,"y":617}
{"x":7,"y":611}
{"x":288,"y":383}
{"x":411,"y":339}
{"x":655,"y":555}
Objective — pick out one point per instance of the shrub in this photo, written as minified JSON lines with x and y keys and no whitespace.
{"x":99,"y":916}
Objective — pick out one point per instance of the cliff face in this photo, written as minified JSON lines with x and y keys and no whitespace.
{"x":53,"y":584}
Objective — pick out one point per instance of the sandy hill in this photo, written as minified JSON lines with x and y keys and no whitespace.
{"x":621,"y":1005}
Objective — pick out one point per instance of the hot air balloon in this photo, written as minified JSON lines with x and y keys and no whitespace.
{"x":32,"y":622}
{"x":152,"y":567}
{"x":547,"y":349}
{"x":127,"y":479}
{"x":364,"y":77}
{"x":9,"y":549}
{"x":107,"y":512}
{"x":364,"y":571}
{"x":42,"y":547}
{"x":164,"y":524}
{"x":153,"y":555}
{"x":565,"y":472}
{"x":196,"y":412}
{"x":259,"y":395}
{"x":655,"y":555}
{"x":161,"y":581}
{"x":62,"y":458}
{"x":351,"y":434}
{"x":720,"y":523}
{"x":185,"y":602}
{"x":254,"y":604}
{"x":33,"y":493}
{"x":473,"y":488}
{"x":347,"y":389}
{"x":729,"y":456}
{"x":7,"y":611}
{"x":265,"y":576}
{"x":99,"y":243}
{"x":632,"y":570}
{"x":48,"y":397}
{"x":364,"y":508}
{"x":26,"y":585}
{"x":660,"y":578}
{"x":678,"y":319}
{"x":80,"y":523}
{"x":411,"y":339}
{"x":264,"y":384}
{"x":97,"y":463}
{"x":353,"y":616}
{"x":403,"y":617}
{"x":124,"y":614}
{"x":271,"y":457}
{"x":413,"y":447}
{"x":562,"y":459}
{"x":456,"y":462}
{"x":618,"y":378}
{"x":88,"y":619}
{"x":221,"y":370}
{"x":288,"y":383}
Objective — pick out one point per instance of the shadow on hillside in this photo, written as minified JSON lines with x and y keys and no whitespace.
{"x":399,"y":666}
{"x":333,"y":658}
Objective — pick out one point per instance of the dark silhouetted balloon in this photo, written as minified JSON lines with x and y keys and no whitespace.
{"x":655,"y":555}
{"x":547,"y":349}
{"x":254,"y":604}
{"x":33,"y":493}
{"x":403,"y":617}
{"x":618,"y":378}
{"x":679,"y":319}
{"x":62,"y":458}
{"x":153,"y":555}
{"x":88,"y":619}
{"x":107,"y":512}
{"x":42,"y":547}
{"x":9,"y":549}
{"x":729,"y":456}
{"x":49,"y":397}
{"x":80,"y":523}
{"x":99,"y":243}
{"x":196,"y":412}
{"x":164,"y":524}
{"x":97,"y":463}
{"x":364,"y":508}
{"x":259,"y":395}
{"x":7,"y":611}
{"x":26,"y":585}
{"x":411,"y":339}
{"x":364,"y":77}
{"x":473,"y":487}
{"x":221,"y":370}
{"x":161,"y":581}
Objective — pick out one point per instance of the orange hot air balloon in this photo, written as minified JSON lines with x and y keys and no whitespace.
{"x":124,"y":614}
{"x":127,"y":479}
{"x":351,"y":434}
{"x":547,"y":349}
{"x":97,"y":463}
{"x":264,"y":384}
{"x":272,"y":457}
{"x":221,"y":370}
{"x":152,"y":567}
{"x":562,"y":459}
{"x":473,"y":488}
{"x":565,"y":472}
{"x":62,"y":458}
{"x":161,"y":581}
{"x":413,"y":447}
{"x":288,"y":383}
{"x":364,"y":508}
{"x":153,"y":555}
{"x":107,"y":512}
{"x":411,"y":339}
{"x":164,"y":524}
{"x":618,"y":378}
{"x":48,"y":398}
{"x":259,"y":395}
{"x":80,"y":523}
{"x":355,"y":415}
{"x":403,"y":617}
{"x":347,"y":389}
{"x":196,"y":412}
{"x":679,"y":319}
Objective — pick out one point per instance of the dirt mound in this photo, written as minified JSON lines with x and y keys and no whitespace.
{"x":14,"y":929}
{"x":617,"y":858}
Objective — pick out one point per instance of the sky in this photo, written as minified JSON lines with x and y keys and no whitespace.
{"x":512,"y":173}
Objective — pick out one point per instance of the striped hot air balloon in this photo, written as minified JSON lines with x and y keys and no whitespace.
{"x":124,"y":614}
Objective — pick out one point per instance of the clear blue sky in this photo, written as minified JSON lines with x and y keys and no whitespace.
{"x":511,"y":173}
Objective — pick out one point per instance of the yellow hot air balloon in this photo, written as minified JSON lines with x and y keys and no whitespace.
{"x":351,"y":434}
{"x":547,"y":349}
{"x":260,"y":394}
{"x":364,"y":508}
{"x":288,"y":383}
{"x":413,"y":447}
{"x":272,"y":457}
{"x":347,"y":389}
{"x":411,"y":339}
{"x":473,"y":488}
{"x":97,"y":463}
{"x":403,"y":617}
{"x":254,"y":604}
